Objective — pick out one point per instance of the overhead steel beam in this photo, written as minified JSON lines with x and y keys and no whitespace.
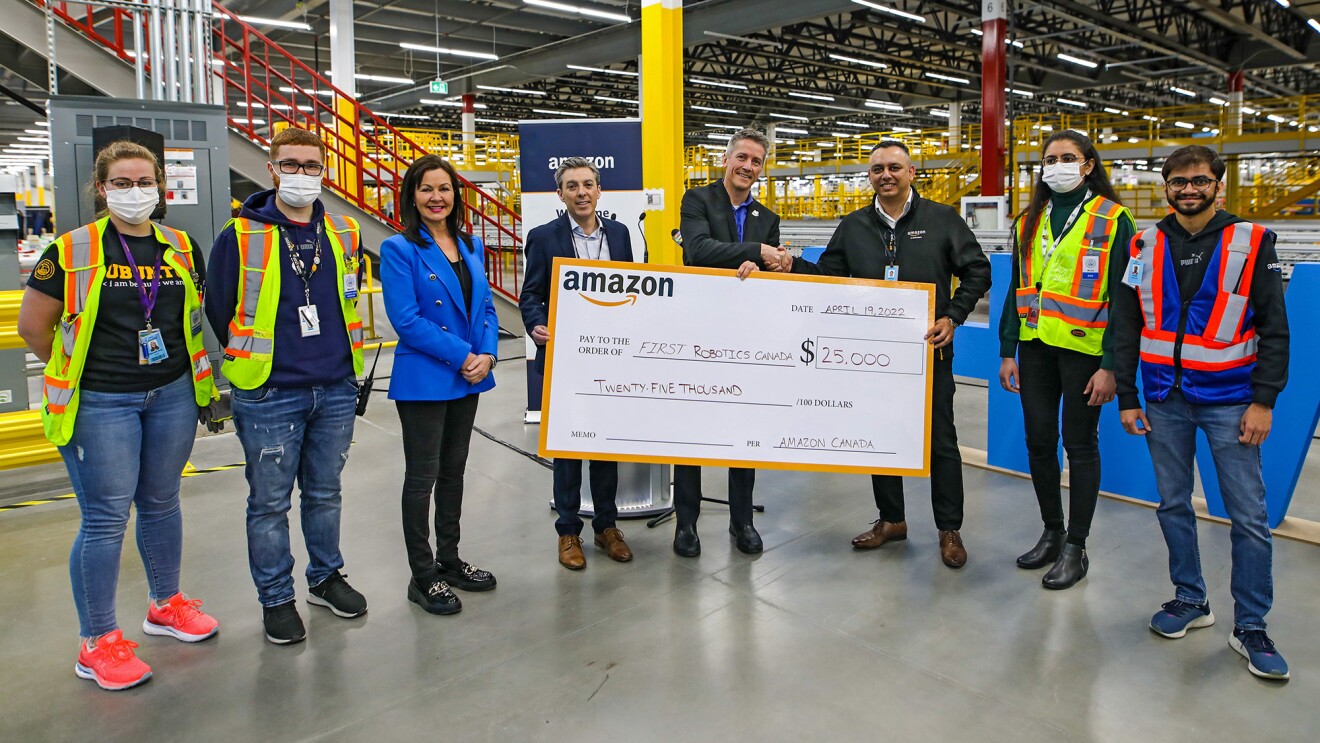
{"x":1213,"y":11}
{"x":624,"y":42}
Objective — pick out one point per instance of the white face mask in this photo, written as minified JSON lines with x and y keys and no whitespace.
{"x":133,"y":205}
{"x":1063,"y":177}
{"x":299,"y":189}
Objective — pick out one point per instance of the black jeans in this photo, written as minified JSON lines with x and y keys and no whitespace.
{"x":1048,"y":375}
{"x":687,"y":494}
{"x":568,"y":495}
{"x":435,"y":449}
{"x":946,"y":480}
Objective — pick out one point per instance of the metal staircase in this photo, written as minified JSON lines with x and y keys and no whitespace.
{"x":264,"y":89}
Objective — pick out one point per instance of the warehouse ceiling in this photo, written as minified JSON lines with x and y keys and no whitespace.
{"x":814,"y":64}
{"x":808,"y":64}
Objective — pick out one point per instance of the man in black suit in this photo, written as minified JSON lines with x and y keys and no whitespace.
{"x":722,"y":226}
{"x":578,"y":233}
{"x":903,"y":237}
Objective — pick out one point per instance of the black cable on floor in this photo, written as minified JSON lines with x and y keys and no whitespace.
{"x":530,"y":455}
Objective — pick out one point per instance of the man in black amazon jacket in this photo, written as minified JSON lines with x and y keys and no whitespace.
{"x":1212,"y":347}
{"x":903,"y":237}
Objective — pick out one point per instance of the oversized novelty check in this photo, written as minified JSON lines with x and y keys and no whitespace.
{"x":692,"y":366}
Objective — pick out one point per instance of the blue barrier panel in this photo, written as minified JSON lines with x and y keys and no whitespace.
{"x":1297,"y":411}
{"x":1126,"y":467}
{"x":812,"y":255}
{"x":976,"y":345}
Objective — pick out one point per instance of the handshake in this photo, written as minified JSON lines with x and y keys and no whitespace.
{"x":775,"y":259}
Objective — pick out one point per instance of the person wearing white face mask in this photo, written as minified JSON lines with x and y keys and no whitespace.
{"x":114,"y":308}
{"x":283,"y":301}
{"x":1054,"y":341}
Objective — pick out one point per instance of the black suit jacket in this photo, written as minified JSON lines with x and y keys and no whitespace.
{"x":710,"y":235}
{"x":552,"y":240}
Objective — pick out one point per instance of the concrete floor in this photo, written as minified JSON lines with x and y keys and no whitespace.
{"x":809,"y":641}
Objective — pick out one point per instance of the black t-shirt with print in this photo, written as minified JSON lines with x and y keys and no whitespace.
{"x":112,"y":359}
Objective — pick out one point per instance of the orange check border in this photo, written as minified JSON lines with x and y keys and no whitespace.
{"x":561,"y":263}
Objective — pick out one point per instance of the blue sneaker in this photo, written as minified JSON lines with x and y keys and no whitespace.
{"x":1262,"y":659}
{"x":1176,"y":617}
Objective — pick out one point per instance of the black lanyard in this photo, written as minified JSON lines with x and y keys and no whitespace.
{"x":301,"y":269}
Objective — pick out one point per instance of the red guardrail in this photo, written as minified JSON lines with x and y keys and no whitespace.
{"x":266,"y":88}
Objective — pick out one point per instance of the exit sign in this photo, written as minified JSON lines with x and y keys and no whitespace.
{"x":439,"y":87}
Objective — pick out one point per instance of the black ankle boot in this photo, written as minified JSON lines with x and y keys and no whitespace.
{"x":1045,"y":552}
{"x":1070,"y":568}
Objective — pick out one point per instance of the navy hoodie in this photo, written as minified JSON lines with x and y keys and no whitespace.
{"x":298,"y":361}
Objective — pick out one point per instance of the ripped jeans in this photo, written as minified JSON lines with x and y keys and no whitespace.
{"x":288,"y":434}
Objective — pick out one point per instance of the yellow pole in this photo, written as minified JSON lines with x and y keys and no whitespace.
{"x":346,"y":127}
{"x":662,"y":121}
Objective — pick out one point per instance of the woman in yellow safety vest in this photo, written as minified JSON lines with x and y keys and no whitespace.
{"x":1053,"y":340}
{"x":114,"y":309}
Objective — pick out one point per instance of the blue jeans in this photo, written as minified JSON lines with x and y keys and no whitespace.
{"x":288,"y":434}
{"x":128,"y":448}
{"x":1172,"y":441}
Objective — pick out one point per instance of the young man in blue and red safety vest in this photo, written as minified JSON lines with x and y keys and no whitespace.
{"x":1201,"y":312}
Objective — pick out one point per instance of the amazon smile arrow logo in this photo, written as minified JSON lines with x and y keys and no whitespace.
{"x":630,"y":299}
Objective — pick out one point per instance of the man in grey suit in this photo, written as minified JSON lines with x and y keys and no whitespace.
{"x":724,"y":227}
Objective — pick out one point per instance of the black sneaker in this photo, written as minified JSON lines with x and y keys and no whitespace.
{"x":464,"y":576}
{"x":282,"y":623}
{"x":436,"y":598}
{"x":335,"y":594}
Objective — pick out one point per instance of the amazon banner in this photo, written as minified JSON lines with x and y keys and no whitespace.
{"x":614,"y":146}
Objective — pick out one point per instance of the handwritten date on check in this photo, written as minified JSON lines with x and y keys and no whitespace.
{"x":685,"y":365}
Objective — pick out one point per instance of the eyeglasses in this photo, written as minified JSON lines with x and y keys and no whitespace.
{"x":120,"y":184}
{"x":289,"y":167}
{"x":1200,"y":183}
{"x":1052,"y":160}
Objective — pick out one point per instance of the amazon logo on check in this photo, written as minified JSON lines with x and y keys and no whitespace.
{"x":627,"y":287}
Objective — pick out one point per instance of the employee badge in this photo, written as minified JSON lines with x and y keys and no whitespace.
{"x":1132,"y":276}
{"x":308,"y":321}
{"x":1090,"y":267}
{"x":891,"y":273}
{"x":350,"y":286}
{"x":151,"y":347}
{"x":1033,"y":313}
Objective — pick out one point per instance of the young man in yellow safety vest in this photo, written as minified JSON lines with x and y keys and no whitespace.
{"x":1201,"y":307}
{"x":282,"y":299}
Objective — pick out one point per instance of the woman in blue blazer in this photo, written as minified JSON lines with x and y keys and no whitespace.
{"x":433,"y":276}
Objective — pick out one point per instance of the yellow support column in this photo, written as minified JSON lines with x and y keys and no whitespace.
{"x":662,"y":121}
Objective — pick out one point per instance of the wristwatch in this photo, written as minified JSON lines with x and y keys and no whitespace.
{"x":493,"y":360}
{"x":953,"y":322}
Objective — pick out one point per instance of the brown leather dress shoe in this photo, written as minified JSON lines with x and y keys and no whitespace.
{"x":611,"y":540}
{"x":880,"y":532}
{"x":951,"y":549}
{"x":570,"y":552}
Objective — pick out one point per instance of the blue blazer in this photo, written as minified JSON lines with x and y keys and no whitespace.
{"x":555,"y":240}
{"x":425,"y":305}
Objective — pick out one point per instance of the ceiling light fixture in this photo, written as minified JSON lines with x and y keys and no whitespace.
{"x":1182,"y":91}
{"x":789,"y":116}
{"x":811,"y":96}
{"x":716,"y":83}
{"x":445,"y":50}
{"x":257,"y":21}
{"x":855,"y":60}
{"x":583,"y":68}
{"x":1071,"y":102}
{"x":1078,"y":61}
{"x":712,"y":109}
{"x":787,"y":130}
{"x":886,"y":105}
{"x":515,"y":91}
{"x":616,"y":100}
{"x":450,"y":104}
{"x":590,"y":12}
{"x":948,"y":78}
{"x":892,"y":11}
{"x":550,"y":112}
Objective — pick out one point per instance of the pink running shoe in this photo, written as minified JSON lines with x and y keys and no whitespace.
{"x":181,"y":618}
{"x":112,"y":663}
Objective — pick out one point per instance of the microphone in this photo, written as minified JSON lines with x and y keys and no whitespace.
{"x":677,"y":237}
{"x":646,"y":250}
